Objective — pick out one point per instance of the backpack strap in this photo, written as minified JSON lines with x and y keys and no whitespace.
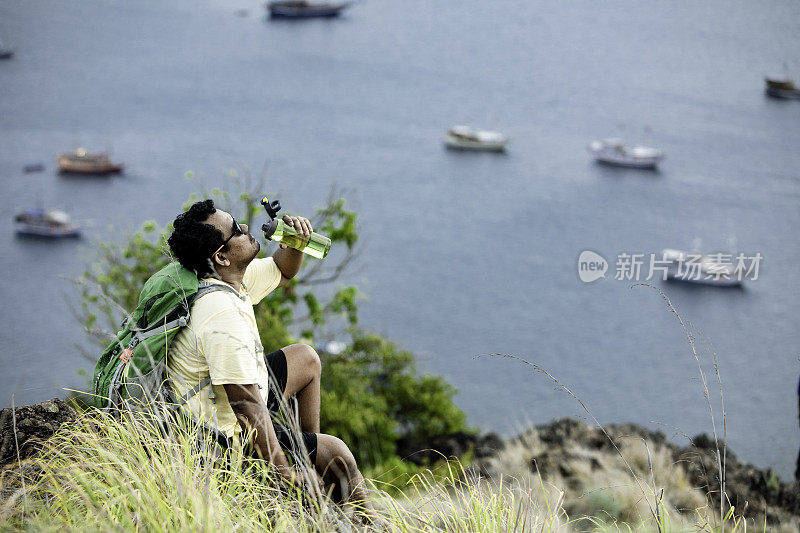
{"x":161,"y":330}
{"x":191,"y":393}
{"x":206,"y":287}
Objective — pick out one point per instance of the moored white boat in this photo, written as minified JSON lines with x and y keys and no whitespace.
{"x":703,"y":269}
{"x":331,"y":347}
{"x":466,"y":138}
{"x":41,"y":223}
{"x":615,"y":152}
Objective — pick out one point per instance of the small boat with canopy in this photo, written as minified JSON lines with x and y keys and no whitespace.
{"x":82,"y":162}
{"x":781,"y":88}
{"x":37,"y":222}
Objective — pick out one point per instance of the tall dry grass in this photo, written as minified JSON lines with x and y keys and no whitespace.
{"x":103,"y":474}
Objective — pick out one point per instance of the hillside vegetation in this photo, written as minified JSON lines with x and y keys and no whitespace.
{"x":97,"y":473}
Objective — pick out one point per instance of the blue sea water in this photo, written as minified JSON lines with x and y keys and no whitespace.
{"x":463,"y":255}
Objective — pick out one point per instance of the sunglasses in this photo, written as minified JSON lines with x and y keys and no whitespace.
{"x":237,"y":230}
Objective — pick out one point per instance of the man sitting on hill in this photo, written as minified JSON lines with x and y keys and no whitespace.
{"x":222,"y":341}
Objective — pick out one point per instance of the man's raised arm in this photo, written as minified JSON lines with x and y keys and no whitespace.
{"x":287,"y":259}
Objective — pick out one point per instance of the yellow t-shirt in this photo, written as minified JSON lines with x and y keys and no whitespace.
{"x":221,"y":340}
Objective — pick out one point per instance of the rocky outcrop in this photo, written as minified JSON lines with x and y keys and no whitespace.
{"x":761,"y":490}
{"x":24,"y":429}
{"x":571,"y":453}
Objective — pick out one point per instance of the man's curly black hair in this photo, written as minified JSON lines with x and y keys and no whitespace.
{"x":193,"y":240}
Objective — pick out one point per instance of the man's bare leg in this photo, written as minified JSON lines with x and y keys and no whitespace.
{"x":303,"y":371}
{"x":336,"y":464}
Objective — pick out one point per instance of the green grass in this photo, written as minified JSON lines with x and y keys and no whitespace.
{"x":102,"y":474}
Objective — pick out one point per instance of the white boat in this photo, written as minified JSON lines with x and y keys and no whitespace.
{"x":704,"y":269}
{"x":615,"y":152}
{"x":466,"y":138}
{"x":41,"y":223}
{"x":331,"y":347}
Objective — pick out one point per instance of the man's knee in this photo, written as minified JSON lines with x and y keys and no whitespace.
{"x":306,"y":357}
{"x":332,"y":451}
{"x":336,"y":464}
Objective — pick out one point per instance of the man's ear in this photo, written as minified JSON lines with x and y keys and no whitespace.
{"x":221,"y":260}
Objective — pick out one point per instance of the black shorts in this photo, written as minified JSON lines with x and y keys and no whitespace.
{"x":276,"y":364}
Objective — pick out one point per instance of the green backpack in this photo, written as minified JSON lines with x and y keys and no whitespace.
{"x":132,"y":371}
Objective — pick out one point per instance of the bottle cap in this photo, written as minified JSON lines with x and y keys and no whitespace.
{"x":269,"y":228}
{"x":272,"y":207}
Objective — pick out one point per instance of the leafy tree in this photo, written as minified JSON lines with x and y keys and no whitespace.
{"x":372,"y":394}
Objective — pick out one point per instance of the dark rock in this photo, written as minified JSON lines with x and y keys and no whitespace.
{"x":430,"y":450}
{"x":488,"y":467}
{"x":34,"y":425}
{"x":562,"y":431}
{"x":547,"y":462}
{"x":634,"y":431}
{"x":599,"y":442}
{"x":704,"y":442}
{"x":488,"y":445}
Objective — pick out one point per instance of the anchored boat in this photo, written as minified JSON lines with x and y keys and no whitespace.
{"x":616,"y":152}
{"x":708,"y":269}
{"x":466,"y":138}
{"x":305,"y":9}
{"x":40,"y":223}
{"x":5,"y":51}
{"x":82,"y":162}
{"x":781,"y":88}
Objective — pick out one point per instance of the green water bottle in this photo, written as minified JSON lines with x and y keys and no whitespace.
{"x":315,"y":245}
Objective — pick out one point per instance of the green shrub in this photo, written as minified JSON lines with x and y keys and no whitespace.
{"x":372,"y":395}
